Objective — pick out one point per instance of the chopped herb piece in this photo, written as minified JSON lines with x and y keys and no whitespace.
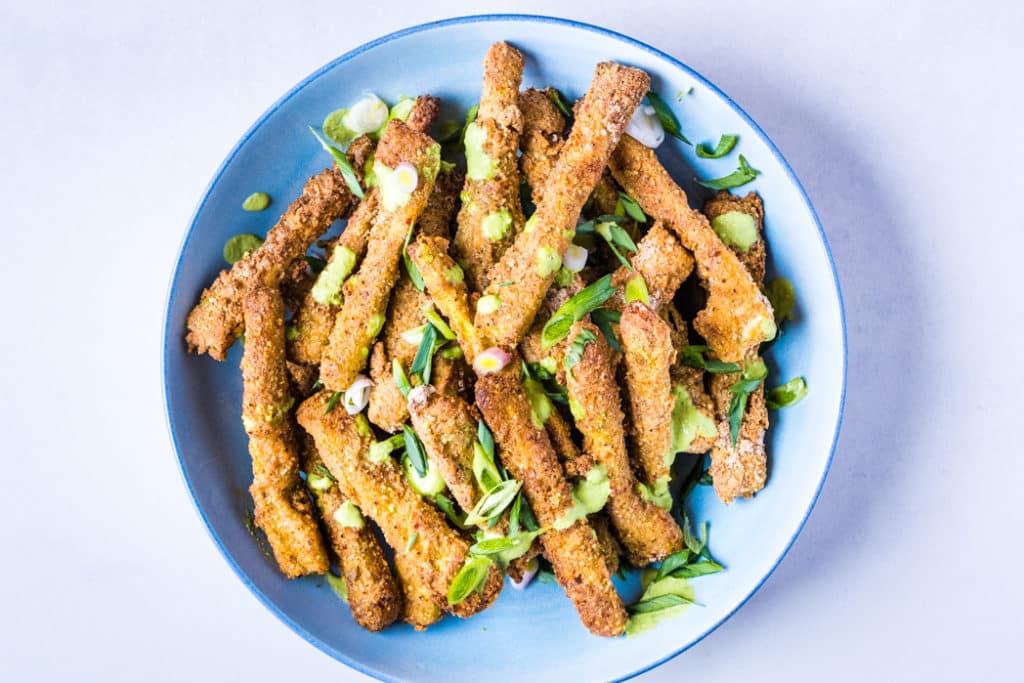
{"x":492,"y":504}
{"x":604,"y":318}
{"x":412,"y":541}
{"x":665,"y":116}
{"x":470,"y":579}
{"x":741,"y":176}
{"x":414,"y":451}
{"x":257,"y":201}
{"x":379,"y":450}
{"x":579,"y":305}
{"x":486,"y":438}
{"x":343,"y":165}
{"x":662,"y":602}
{"x":616,"y":236}
{"x":556,"y":98}
{"x":782,"y":296}
{"x":724,"y":146}
{"x":325,"y":473}
{"x":693,"y":356}
{"x":786,"y":395}
{"x":423,"y":362}
{"x":410,"y":265}
{"x":445,"y":504}
{"x":439,"y":323}
{"x":631,"y":208}
{"x":484,"y":470}
{"x":401,"y":380}
{"x":753,"y":374}
{"x":238,"y":246}
{"x":636,"y":290}
{"x":675,"y":561}
{"x":579,"y":344}
{"x":702,"y":568}
{"x":332,"y":401}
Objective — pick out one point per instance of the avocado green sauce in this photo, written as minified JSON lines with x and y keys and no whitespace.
{"x":349,"y":515}
{"x":479,"y":165}
{"x":636,"y":290}
{"x":548,"y":261}
{"x":669,"y":585}
{"x":257,"y":201}
{"x":327,"y":288}
{"x":737,"y":229}
{"x":429,"y":484}
{"x":540,"y":404}
{"x":658,"y":494}
{"x":337,"y":585}
{"x":688,"y":422}
{"x":495,"y":225}
{"x":589,"y":496}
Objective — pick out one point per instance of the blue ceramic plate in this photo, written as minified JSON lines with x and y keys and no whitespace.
{"x":533,"y":634}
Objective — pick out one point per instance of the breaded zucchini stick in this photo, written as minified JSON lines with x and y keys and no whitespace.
{"x":421,"y":608}
{"x":527,"y":454}
{"x":216,"y":321}
{"x":435,"y":552}
{"x":366,"y":293}
{"x":740,"y":470}
{"x":282,"y":508}
{"x":491,"y":214}
{"x":663,"y":264}
{"x":314,"y":319}
{"x":691,"y":379}
{"x":445,"y":282}
{"x":532,"y":261}
{"x":648,"y":532}
{"x":447,"y":426}
{"x":648,"y":353}
{"x":373,"y":595}
{"x":388,"y":408}
{"x":541,"y":140}
{"x":737,"y":316}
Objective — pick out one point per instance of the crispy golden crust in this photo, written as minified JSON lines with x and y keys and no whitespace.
{"x":424,"y":112}
{"x":740,"y":470}
{"x":387,"y":405}
{"x":367,"y":291}
{"x":527,"y":454}
{"x":604,"y":198}
{"x":447,"y":426}
{"x":663,"y":264}
{"x":282,"y":508}
{"x":216,"y":321}
{"x":420,"y":608}
{"x":613,"y":95}
{"x":738,"y":316}
{"x":647,"y":531}
{"x":373,"y":595}
{"x":436,"y":552}
{"x":302,"y":378}
{"x":611,"y":549}
{"x":649,"y":355}
{"x":500,"y":120}
{"x":447,"y":288}
{"x":691,"y":378}
{"x":541,"y":140}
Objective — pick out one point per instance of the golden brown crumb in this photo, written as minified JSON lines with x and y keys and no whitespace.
{"x":447,"y":425}
{"x":282,"y":508}
{"x":541,"y":140}
{"x":738,"y":316}
{"x":530,"y":264}
{"x":421,"y":607}
{"x":663,"y":264}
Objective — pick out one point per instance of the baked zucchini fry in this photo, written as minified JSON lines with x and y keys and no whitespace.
{"x":366,"y":293}
{"x":737,"y":316}
{"x":373,"y":595}
{"x":740,"y":470}
{"x":388,"y":409}
{"x":541,"y":140}
{"x":491,"y":214}
{"x":282,"y":508}
{"x":648,"y":532}
{"x":216,"y":321}
{"x":692,"y":380}
{"x":663,"y":264}
{"x":314,"y":319}
{"x":435,"y":552}
{"x":447,"y":425}
{"x":528,"y":267}
{"x":445,"y":282}
{"x":648,"y":354}
{"x":527,"y":454}
{"x":421,"y":608}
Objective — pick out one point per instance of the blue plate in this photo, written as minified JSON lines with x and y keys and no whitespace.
{"x":533,"y":634}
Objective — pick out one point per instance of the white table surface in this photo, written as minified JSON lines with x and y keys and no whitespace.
{"x":904,"y":124}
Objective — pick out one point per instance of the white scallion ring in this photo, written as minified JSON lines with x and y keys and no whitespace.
{"x":367,"y":115}
{"x":645,"y":127}
{"x":575,"y":258}
{"x":357,"y":395}
{"x":406,"y":177}
{"x":491,"y":360}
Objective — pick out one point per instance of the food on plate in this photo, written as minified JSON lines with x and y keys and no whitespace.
{"x":492,"y":372}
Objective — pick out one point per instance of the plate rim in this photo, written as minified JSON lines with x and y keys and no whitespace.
{"x":172,"y":292}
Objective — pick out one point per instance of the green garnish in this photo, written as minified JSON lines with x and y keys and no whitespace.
{"x":603,"y":318}
{"x":379,"y":450}
{"x":575,"y":353}
{"x":737,"y":229}
{"x":445,"y":504}
{"x":486,"y":438}
{"x":414,"y":451}
{"x":422,"y":364}
{"x":786,"y":395}
{"x":435,"y":319}
{"x":579,"y":305}
{"x":693,"y":356}
{"x":609,"y":228}
{"x":401,"y":380}
{"x":632,"y":209}
{"x":343,"y":165}
{"x":327,"y":288}
{"x":484,"y":470}
{"x":665,"y":116}
{"x":688,"y":422}
{"x":504,"y":549}
{"x":724,"y":146}
{"x":238,"y":246}
{"x":349,"y":515}
{"x":326,"y":473}
{"x":492,"y":504}
{"x":556,"y":98}
{"x":450,"y":131}
{"x":402,"y":109}
{"x":661,"y":599}
{"x":753,"y":374}
{"x":470,"y":118}
{"x":741,"y":176}
{"x":782,"y":296}
{"x":540,"y":404}
{"x":332,"y":401}
{"x":470,"y":579}
{"x":415,"y":536}
{"x":589,"y":496}
{"x":257,"y":201}
{"x":662,"y":602}
{"x":636,"y":290}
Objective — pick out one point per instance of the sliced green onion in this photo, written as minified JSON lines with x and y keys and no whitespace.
{"x":343,"y":165}
{"x":665,"y":116}
{"x":786,"y":395}
{"x":631,"y":208}
{"x":724,"y":146}
{"x":579,"y":305}
{"x":556,"y":98}
{"x":414,"y":451}
{"x":492,"y":504}
{"x":741,"y":176}
{"x":470,"y":579}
